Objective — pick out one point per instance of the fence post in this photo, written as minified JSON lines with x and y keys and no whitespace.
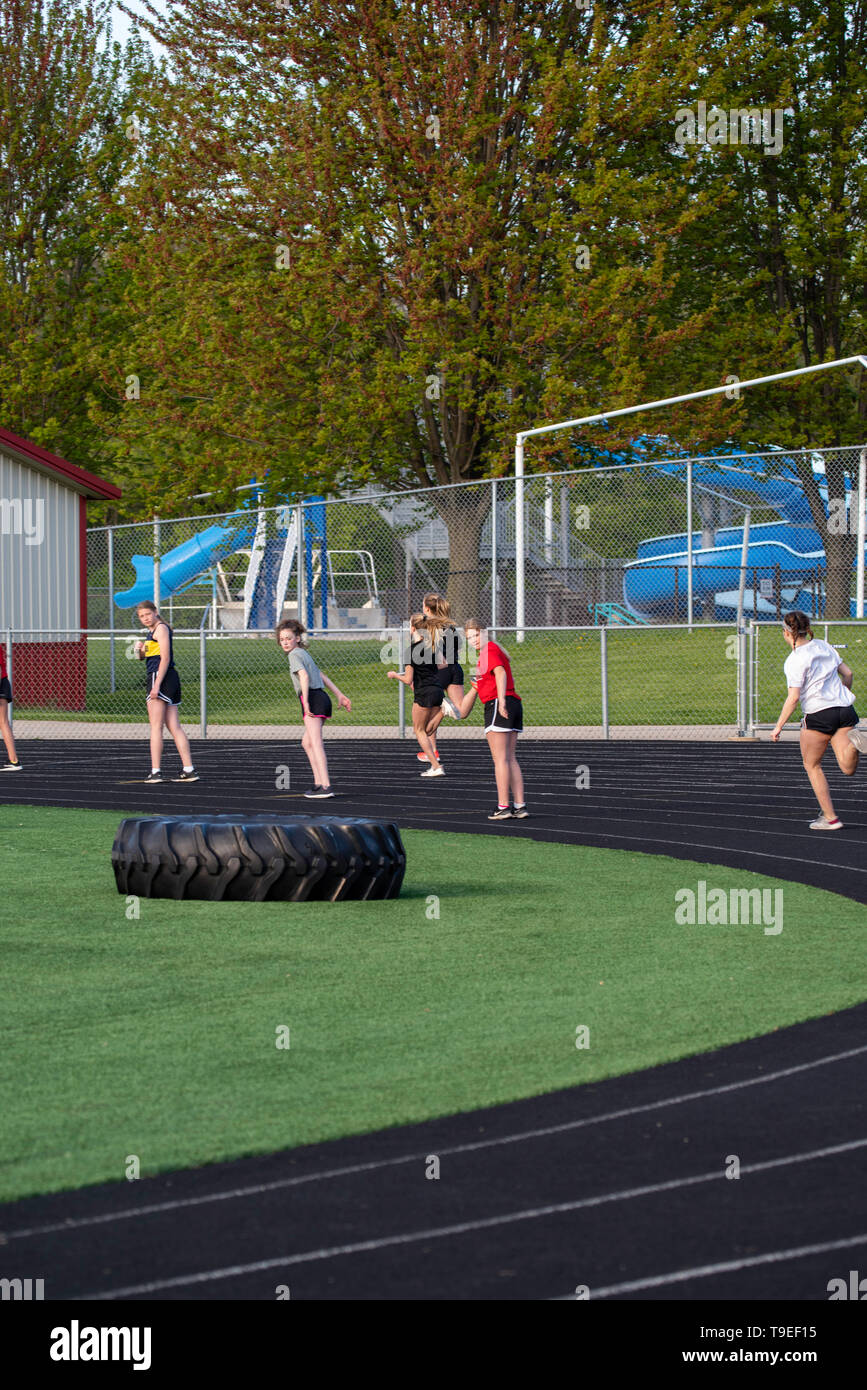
{"x":603,"y":656}
{"x":753,"y":717}
{"x":494,"y":614}
{"x":862,"y":532}
{"x":299,"y":559}
{"x":742,"y":579}
{"x":689,"y":601}
{"x":157,"y":561}
{"x":401,"y":688}
{"x":203,"y":683}
{"x":10,"y":672}
{"x":113,"y":674}
{"x":743,"y":697}
{"x":519,"y":539}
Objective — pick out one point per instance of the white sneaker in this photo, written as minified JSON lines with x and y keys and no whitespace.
{"x":822,"y":823}
{"x":451,"y":708}
{"x":11,"y":767}
{"x":858,"y":736}
{"x":435,"y":771}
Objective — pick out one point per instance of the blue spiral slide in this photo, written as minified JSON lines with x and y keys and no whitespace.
{"x":789,"y":552}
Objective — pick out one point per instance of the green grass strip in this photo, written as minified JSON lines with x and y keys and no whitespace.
{"x":156,"y":1037}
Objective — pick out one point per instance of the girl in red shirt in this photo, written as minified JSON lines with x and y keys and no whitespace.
{"x":13,"y":764}
{"x":504,"y":719}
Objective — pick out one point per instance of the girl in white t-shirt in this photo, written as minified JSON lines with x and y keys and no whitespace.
{"x":822,"y":683}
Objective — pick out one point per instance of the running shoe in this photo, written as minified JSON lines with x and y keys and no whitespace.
{"x":319,"y":793}
{"x":11,"y":767}
{"x":451,"y":708}
{"x":822,"y":823}
{"x":858,"y":736}
{"x":191,"y":776}
{"x":501,"y":813}
{"x":520,"y":812}
{"x":423,"y":757}
{"x":435,"y":771}
{"x":154,"y":777}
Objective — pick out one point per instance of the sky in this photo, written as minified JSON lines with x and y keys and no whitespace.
{"x":121,"y":26}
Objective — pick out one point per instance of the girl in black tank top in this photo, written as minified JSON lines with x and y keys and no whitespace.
{"x":163,"y":693}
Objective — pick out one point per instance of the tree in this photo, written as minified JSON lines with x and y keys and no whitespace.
{"x":65,"y":94}
{"x":477,"y":208}
{"x":784,"y":248}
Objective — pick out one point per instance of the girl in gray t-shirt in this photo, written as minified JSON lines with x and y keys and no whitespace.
{"x":309,"y":683}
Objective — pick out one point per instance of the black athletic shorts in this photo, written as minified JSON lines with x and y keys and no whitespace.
{"x":5,"y":689}
{"x":428,"y":696}
{"x":170,"y":688}
{"x":514,"y":721}
{"x":828,"y":721}
{"x":318,"y":703}
{"x":450,"y":675}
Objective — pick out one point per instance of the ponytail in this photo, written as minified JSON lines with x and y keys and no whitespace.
{"x":798,"y":624}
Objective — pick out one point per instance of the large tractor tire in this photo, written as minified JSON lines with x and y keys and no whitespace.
{"x":258,"y":859}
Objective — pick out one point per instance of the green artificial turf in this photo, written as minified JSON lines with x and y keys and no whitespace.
{"x":156,"y":1036}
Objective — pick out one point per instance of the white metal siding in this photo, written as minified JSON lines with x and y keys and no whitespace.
{"x":39,"y":572}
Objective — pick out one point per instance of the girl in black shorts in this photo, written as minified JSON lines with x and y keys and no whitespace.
{"x":822,"y":684}
{"x":427,"y":697}
{"x":504,"y":720}
{"x":164,"y":693}
{"x":12,"y":764}
{"x":310,"y":683}
{"x":450,"y":673}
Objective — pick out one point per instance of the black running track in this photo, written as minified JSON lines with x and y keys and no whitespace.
{"x":618,"y":1187}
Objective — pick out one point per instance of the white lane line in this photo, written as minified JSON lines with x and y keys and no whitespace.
{"x":726,"y":1267}
{"x":255,"y":1190}
{"x":644,"y":839}
{"x":464,"y":1227}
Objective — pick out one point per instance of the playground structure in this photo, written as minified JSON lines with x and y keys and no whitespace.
{"x":604,"y":416}
{"x":785,"y":559}
{"x":250,"y":564}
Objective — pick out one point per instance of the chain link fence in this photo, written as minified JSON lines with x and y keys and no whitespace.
{"x":640,"y":581}
{"x":637,"y":543}
{"x":661,"y":681}
{"x":575,"y":682}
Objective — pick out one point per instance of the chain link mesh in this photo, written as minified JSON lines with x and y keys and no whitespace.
{"x":651,"y":552}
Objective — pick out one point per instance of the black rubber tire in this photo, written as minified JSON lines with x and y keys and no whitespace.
{"x":296,"y":859}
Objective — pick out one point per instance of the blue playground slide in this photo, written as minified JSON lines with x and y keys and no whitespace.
{"x":182,"y":565}
{"x":263,"y":608}
{"x":789,"y":551}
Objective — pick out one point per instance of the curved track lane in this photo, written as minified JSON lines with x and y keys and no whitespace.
{"x":619,"y":1186}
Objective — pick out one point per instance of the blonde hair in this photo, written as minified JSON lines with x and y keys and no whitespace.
{"x":439,"y":606}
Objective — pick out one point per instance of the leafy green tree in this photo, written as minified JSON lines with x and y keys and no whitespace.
{"x":65,"y":98}
{"x":375,"y":239}
{"x":782,"y":244}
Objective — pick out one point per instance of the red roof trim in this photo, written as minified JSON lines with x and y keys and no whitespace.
{"x":77,"y":478}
